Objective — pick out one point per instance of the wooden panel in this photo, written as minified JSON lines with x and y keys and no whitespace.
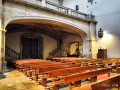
{"x":102,"y":53}
{"x":30,"y":48}
{"x":25,"y":48}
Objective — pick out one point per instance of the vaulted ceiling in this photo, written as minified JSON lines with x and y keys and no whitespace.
{"x":50,"y":30}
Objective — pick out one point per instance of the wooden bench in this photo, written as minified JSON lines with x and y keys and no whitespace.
{"x":20,"y":64}
{"x":118,"y":70}
{"x":118,"y":67}
{"x":66,"y":71}
{"x":69,"y":59}
{"x":42,"y":70}
{"x":111,"y":83}
{"x":80,"y":76}
{"x":49,"y":64}
{"x":118,"y":64}
{"x":107,"y":84}
{"x":28,"y":66}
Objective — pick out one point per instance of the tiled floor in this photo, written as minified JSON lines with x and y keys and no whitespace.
{"x":15,"y":80}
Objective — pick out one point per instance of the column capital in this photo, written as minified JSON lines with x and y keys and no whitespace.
{"x":2,"y":30}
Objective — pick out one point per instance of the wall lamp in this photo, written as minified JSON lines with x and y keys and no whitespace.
{"x":100,"y":33}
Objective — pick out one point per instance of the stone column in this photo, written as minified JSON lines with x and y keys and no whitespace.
{"x":2,"y":50}
{"x":90,"y":44}
{"x":2,"y":40}
{"x":93,"y":41}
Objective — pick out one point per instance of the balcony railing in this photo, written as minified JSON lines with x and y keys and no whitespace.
{"x":57,"y":7}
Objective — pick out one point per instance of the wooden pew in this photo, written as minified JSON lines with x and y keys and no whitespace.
{"x":110,"y":83}
{"x":80,"y":76}
{"x":118,"y":67}
{"x":66,"y":71}
{"x":42,"y":70}
{"x":99,"y":63}
{"x":107,"y":84}
{"x":20,"y":64}
{"x":117,"y":64}
{"x":109,"y":63}
{"x":28,"y":66}
{"x":69,"y":59}
{"x":53,"y":64}
{"x":118,"y":70}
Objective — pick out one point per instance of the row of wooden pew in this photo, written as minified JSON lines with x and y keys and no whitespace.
{"x":59,"y":73}
{"x":87,"y":62}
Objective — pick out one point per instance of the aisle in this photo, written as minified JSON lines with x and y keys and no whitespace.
{"x":16,"y":80}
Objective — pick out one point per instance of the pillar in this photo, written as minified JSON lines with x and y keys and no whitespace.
{"x":2,"y":41}
{"x":2,"y":51}
{"x":90,"y":44}
{"x":93,"y":41}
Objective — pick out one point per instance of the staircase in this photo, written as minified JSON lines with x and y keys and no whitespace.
{"x":10,"y":54}
{"x":57,"y":52}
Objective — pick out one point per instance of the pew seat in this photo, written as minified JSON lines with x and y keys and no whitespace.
{"x":111,"y":83}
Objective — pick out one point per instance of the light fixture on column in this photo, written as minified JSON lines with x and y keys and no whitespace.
{"x":100,"y":33}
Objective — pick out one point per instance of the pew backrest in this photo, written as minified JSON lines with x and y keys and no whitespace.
{"x":67,"y":71}
{"x":107,"y":84}
{"x":80,"y":76}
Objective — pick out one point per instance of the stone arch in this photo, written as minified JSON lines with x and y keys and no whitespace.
{"x":70,"y":26}
{"x":66,"y":26}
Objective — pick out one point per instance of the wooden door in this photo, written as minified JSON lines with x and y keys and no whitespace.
{"x":34,"y":48}
{"x":30,"y":48}
{"x":26,"y":48}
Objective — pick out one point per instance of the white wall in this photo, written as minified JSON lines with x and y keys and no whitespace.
{"x":48,"y":45}
{"x":107,"y":14}
{"x":13,"y":41}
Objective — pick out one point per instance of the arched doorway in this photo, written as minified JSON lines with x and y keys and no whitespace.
{"x":31,"y":45}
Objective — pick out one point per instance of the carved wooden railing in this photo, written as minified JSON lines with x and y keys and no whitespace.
{"x":11,"y":53}
{"x":56,"y":7}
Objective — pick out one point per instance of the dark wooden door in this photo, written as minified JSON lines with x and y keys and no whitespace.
{"x":34,"y":48}
{"x":30,"y":48}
